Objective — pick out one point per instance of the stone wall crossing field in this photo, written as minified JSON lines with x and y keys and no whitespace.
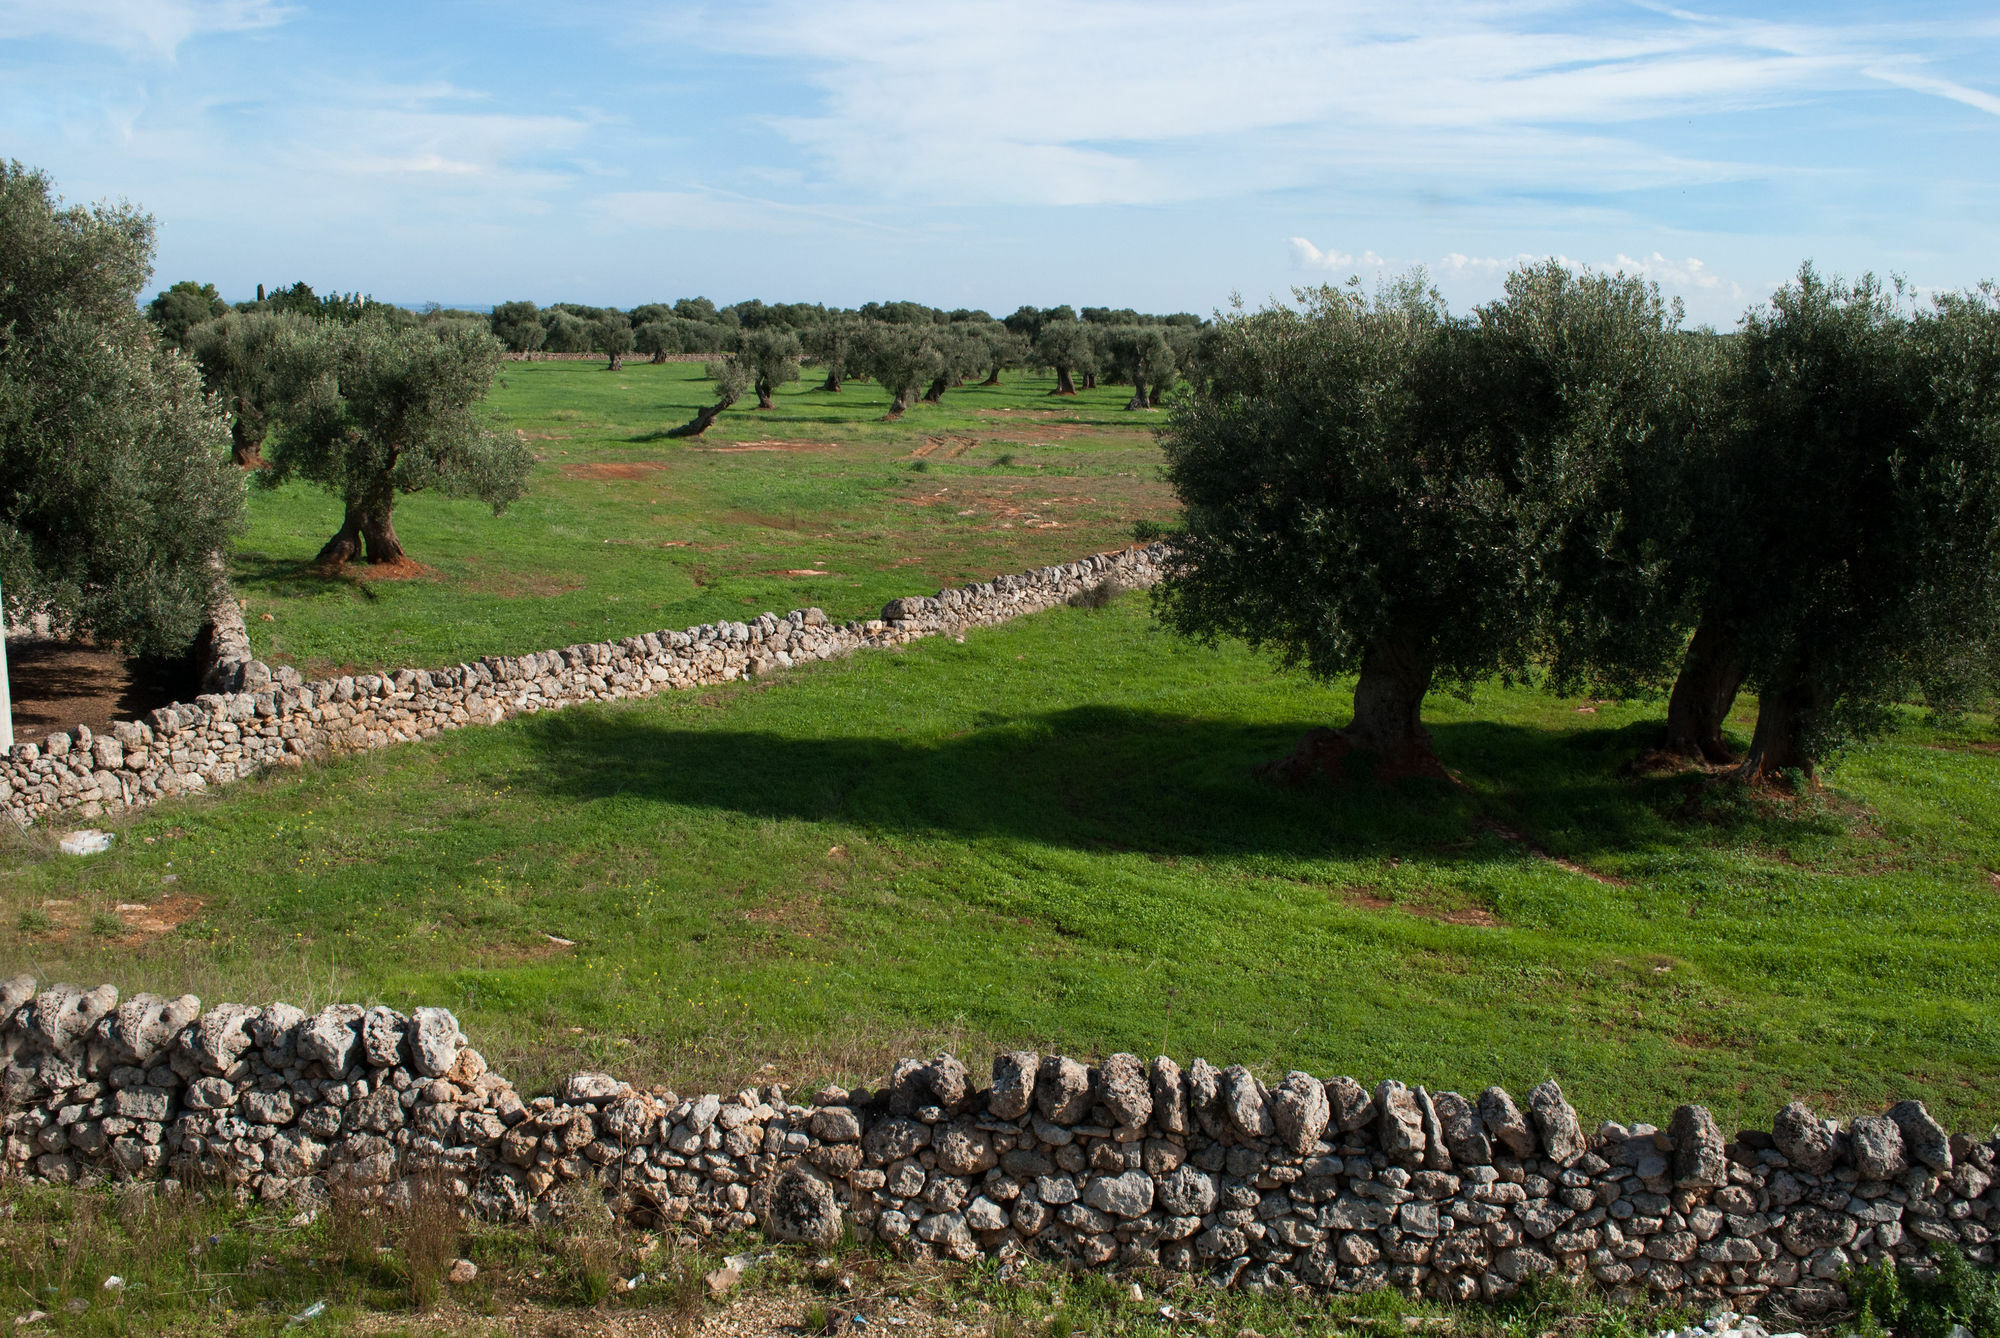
{"x":1329,"y":1184}
{"x":255,"y":717}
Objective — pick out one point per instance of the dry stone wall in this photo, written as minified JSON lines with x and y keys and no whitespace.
{"x":259,"y":717}
{"x":1329,"y":1184}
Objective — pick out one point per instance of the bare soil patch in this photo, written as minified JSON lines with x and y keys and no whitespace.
{"x":58,"y":684}
{"x":397,"y":569}
{"x":609,"y":471}
{"x":1367,"y":899}
{"x":799,"y":447}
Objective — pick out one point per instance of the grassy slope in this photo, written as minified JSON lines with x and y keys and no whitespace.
{"x":1049,"y":834}
{"x":623,"y":531}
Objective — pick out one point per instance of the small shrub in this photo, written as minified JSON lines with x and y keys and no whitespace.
{"x":920,"y":466}
{"x":1099,"y":596}
{"x":354,"y":1228}
{"x":817,"y":1319}
{"x":432,"y":1228}
{"x":1145,"y":531}
{"x":1003,"y":461}
{"x":586,"y":1246}
{"x":35,"y":920}
{"x":1925,"y":1304}
{"x":106,"y":925}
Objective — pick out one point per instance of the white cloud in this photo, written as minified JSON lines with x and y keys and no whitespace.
{"x":1307,"y":256}
{"x":1151,"y":101}
{"x":1691,"y":275}
{"x":136,"y":27}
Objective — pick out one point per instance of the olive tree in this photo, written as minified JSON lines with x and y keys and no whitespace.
{"x":731,"y":379}
{"x":182,"y":307}
{"x":1142,"y":356}
{"x":830,"y":344}
{"x":1350,"y":504}
{"x":374,"y":411}
{"x":1066,"y":347}
{"x":771,"y":357}
{"x":518,"y":325}
{"x":115,"y":493}
{"x":901,"y":357}
{"x":1850,"y":511}
{"x":961,"y":352}
{"x":611,"y":335}
{"x":241,"y":361}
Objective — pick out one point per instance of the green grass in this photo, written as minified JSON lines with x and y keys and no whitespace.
{"x":1050,"y":835}
{"x":202,"y":1264}
{"x":624,"y":531}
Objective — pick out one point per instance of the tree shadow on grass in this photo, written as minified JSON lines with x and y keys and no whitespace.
{"x":1105,"y":778}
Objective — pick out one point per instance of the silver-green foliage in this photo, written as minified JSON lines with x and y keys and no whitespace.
{"x":115,"y":487}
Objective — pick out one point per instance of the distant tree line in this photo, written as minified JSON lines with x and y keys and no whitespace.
{"x":1568,"y":483}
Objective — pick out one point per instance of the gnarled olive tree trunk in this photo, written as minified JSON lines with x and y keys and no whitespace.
{"x":1704,"y":691}
{"x":992,"y":378}
{"x":935,"y":395}
{"x":901,"y":403}
{"x":1396,"y":673}
{"x":1090,"y":380}
{"x":367,"y":529}
{"x":764,"y":395}
{"x":246,"y":442}
{"x":1139,"y":400}
{"x":659,"y":357}
{"x":1783,"y":739}
{"x":702,"y":421}
{"x":832,"y":383}
{"x":1065,"y":382}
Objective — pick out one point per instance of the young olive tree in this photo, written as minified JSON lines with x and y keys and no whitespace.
{"x":241,"y":358}
{"x":1350,"y":504}
{"x":374,"y":411}
{"x":902,"y":358}
{"x":115,"y":493}
{"x":1852,"y":519}
{"x":771,"y":357}
{"x":731,"y":379}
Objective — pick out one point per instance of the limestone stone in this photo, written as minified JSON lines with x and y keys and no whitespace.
{"x":1699,"y":1162}
{"x":332,"y":1038}
{"x":435,"y":1040}
{"x":803,"y":1207}
{"x":1464,"y":1133}
{"x":1062,"y":1089}
{"x":1126,"y":1195}
{"x":1123,"y":1088}
{"x":1876,"y":1142}
{"x":1350,"y":1105}
{"x":1170,"y":1096}
{"x":1243,"y":1100}
{"x":1924,"y":1138}
{"x":1401,"y":1125}
{"x":1804,"y":1139}
{"x":1014,"y":1073}
{"x":1300,"y":1110}
{"x":1555,"y":1120}
{"x":1505,"y":1123}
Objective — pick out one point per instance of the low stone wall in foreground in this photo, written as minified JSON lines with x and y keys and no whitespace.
{"x":1329,"y":1184}
{"x":259,"y":717}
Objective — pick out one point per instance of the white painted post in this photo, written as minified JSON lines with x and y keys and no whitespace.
{"x":6,"y":702}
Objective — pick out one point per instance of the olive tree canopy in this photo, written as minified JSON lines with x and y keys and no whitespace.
{"x":182,"y":307}
{"x":1351,"y":504}
{"x":1851,"y":508}
{"x":115,"y":490}
{"x":374,"y":411}
{"x":771,"y":357}
{"x":240,"y":359}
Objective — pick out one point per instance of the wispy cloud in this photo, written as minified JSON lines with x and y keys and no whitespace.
{"x":1145,"y":101}
{"x":1688,"y":275}
{"x":154,"y":28}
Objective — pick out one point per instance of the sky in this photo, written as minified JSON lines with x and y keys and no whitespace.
{"x":1145,"y":153}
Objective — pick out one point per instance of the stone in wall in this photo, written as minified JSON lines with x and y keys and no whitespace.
{"x":1126,"y":1164}
{"x":259,"y":717}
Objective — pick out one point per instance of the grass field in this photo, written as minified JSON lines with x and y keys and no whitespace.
{"x":815,"y":502}
{"x":1050,"y":834}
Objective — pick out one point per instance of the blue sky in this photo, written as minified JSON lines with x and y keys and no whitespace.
{"x":1150,"y":153}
